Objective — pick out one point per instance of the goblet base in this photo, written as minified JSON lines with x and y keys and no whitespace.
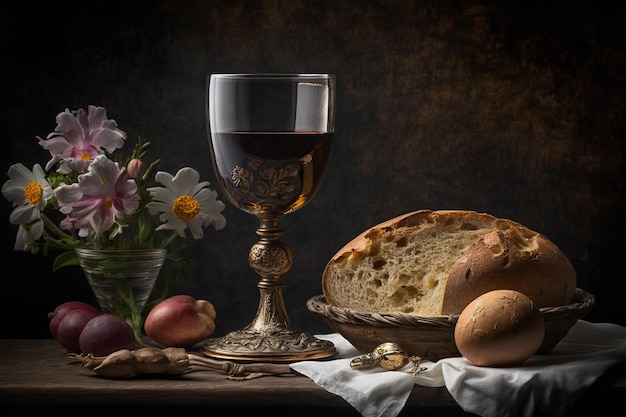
{"x":277,"y":345}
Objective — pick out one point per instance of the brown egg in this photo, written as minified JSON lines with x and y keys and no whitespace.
{"x":499,"y":328}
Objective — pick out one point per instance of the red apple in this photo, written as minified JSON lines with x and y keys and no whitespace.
{"x":180,"y":321}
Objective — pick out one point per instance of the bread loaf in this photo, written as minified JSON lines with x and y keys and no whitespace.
{"x":430,"y":263}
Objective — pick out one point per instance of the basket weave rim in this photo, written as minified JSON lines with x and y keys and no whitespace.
{"x":583,"y":301}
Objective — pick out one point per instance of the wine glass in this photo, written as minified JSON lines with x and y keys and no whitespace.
{"x":270,"y":139}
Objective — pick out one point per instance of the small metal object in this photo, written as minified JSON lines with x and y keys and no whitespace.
{"x":389,"y":356}
{"x":416,"y":365}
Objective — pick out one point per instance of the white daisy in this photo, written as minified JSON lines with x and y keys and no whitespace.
{"x":185,"y":203}
{"x":29,"y":191}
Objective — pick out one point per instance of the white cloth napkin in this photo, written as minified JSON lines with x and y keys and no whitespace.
{"x":549,"y":383}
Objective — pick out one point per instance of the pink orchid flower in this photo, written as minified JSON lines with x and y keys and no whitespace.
{"x":102,"y":198}
{"x":81,"y":136}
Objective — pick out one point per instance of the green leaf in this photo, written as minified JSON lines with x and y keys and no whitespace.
{"x":68,"y":258}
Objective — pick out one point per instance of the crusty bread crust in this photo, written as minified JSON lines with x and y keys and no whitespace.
{"x":514,"y":259}
{"x":431,"y":263}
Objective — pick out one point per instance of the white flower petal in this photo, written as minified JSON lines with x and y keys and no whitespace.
{"x":25,"y":238}
{"x":185,"y":180}
{"x":24,"y":214}
{"x":195,"y":227}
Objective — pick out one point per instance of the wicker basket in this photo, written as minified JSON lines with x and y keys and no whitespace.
{"x":432,"y":338}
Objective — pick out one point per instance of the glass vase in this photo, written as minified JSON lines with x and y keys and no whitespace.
{"x":122,"y":281}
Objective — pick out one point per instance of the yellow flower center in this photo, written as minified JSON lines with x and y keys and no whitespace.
{"x":108,"y":202}
{"x":85,"y":156}
{"x":186,"y":207}
{"x":33,"y":193}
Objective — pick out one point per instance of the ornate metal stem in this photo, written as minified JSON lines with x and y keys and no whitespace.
{"x":270,"y":336}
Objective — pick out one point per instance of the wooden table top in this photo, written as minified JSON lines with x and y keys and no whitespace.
{"x":38,"y":372}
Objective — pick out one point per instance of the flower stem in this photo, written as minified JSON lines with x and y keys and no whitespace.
{"x":61,"y":240}
{"x":126,"y":308}
{"x":167,"y":242}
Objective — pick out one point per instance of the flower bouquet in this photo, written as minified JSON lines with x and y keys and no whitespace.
{"x":89,"y":197}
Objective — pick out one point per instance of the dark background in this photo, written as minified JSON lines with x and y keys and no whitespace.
{"x":515,"y":108}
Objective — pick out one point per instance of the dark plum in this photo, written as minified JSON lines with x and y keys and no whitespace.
{"x":106,"y":334}
{"x":71,"y":326}
{"x":57,"y":315}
